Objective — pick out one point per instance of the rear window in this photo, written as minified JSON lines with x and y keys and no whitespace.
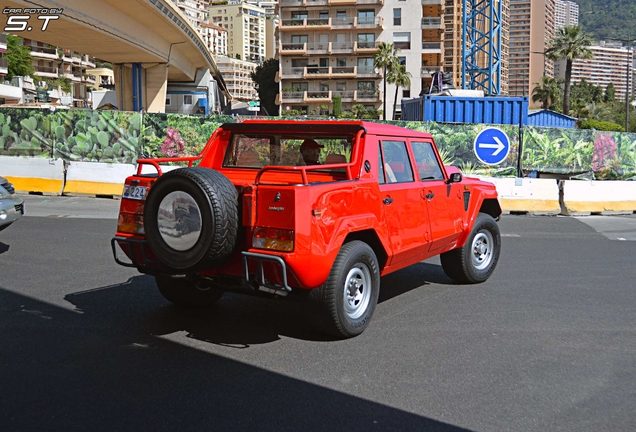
{"x":259,"y":150}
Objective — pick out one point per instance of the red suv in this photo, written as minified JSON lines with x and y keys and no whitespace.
{"x":312,"y":210}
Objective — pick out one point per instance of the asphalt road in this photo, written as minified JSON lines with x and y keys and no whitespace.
{"x":548,"y":343}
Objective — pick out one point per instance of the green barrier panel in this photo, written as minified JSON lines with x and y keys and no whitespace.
{"x":71,"y":135}
{"x":579,"y":153}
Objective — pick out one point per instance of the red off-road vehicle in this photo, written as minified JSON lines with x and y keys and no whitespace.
{"x":251,"y":214}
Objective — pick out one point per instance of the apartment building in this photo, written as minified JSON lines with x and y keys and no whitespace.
{"x":532,"y":26}
{"x":611,"y":63}
{"x":326,"y":48}
{"x":245,"y":24}
{"x":236,"y":74}
{"x":196,"y":11}
{"x":4,"y":65}
{"x":215,"y":38}
{"x":54,"y":62}
{"x":566,"y":14}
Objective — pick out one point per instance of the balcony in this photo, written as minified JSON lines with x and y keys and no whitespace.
{"x":428,"y":71}
{"x":292,"y":96}
{"x":433,"y":2}
{"x":344,"y":72}
{"x":319,"y":48}
{"x":293,"y":73}
{"x":329,"y":72}
{"x":342,"y":23}
{"x":4,"y":65}
{"x":432,"y":47}
{"x":432,"y":23}
{"x":341,"y":48}
{"x":368,"y":23}
{"x":368,"y":72}
{"x":366,"y":47}
{"x":46,"y":53}
{"x":317,"y":72}
{"x":317,"y":96}
{"x":293,"y":48}
{"x":49,"y":72}
{"x":367,"y":96}
{"x":346,"y":96}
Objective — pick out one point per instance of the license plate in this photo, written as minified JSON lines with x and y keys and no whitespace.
{"x":135,"y":192}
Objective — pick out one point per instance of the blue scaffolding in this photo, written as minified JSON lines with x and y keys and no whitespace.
{"x":481,"y":45}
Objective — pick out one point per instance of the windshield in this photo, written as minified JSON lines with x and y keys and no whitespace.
{"x":259,"y":150}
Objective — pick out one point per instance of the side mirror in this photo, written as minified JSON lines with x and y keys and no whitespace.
{"x":455,"y":177}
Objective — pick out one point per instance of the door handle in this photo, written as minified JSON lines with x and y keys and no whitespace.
{"x":387,"y":201}
{"x":430,"y":196}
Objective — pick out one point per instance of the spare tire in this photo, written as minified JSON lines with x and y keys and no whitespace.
{"x":191,"y":218}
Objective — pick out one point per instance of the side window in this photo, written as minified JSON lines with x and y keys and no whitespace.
{"x":381,"y":179}
{"x":427,"y":163}
{"x":396,"y":162}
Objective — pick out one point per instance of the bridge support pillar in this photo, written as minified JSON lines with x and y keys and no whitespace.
{"x":139,"y":87}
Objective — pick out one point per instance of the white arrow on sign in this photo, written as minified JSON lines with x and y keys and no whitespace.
{"x":499,"y":146}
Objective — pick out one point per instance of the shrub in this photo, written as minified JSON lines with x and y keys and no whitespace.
{"x":337,"y":106}
{"x":601,"y":125}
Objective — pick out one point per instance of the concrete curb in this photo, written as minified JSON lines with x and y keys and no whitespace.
{"x":581,"y":197}
{"x":526,"y":195}
{"x":34,"y":175}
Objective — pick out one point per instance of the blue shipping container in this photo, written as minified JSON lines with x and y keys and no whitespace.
{"x":455,"y":109}
{"x":547,"y":118}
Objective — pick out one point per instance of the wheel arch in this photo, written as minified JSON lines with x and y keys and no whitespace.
{"x":371,"y":238}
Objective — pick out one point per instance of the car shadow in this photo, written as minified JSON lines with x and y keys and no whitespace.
{"x":411,"y":278}
{"x":104,"y":367}
{"x":3,"y":248}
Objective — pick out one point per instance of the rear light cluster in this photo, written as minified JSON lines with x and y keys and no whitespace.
{"x":131,"y":223}
{"x":273,"y":239}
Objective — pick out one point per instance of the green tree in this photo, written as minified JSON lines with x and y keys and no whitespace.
{"x":610,"y":93}
{"x":585,"y":92}
{"x":401,"y":78}
{"x":546,"y":92}
{"x":18,"y":58}
{"x":386,"y":59}
{"x":337,"y":106}
{"x":264,"y":77}
{"x":569,"y":44}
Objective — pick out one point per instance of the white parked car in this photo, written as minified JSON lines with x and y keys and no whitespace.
{"x":11,"y":205}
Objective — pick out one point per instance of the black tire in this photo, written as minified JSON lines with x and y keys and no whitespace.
{"x":335,"y":310}
{"x":476,"y":260}
{"x":187,"y":293}
{"x":198,"y":224}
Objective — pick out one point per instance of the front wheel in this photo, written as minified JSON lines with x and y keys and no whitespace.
{"x":344,"y":304}
{"x":186,"y":292}
{"x":476,"y":260}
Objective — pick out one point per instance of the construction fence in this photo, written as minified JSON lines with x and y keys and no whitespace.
{"x":123,"y":137}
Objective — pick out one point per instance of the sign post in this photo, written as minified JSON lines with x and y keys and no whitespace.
{"x":492,"y":146}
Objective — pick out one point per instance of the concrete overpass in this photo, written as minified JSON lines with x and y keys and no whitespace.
{"x":149,"y":42}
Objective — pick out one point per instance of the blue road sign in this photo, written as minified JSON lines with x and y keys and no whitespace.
{"x":492,"y":146}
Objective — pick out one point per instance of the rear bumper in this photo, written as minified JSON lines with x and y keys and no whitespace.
{"x":137,"y":251}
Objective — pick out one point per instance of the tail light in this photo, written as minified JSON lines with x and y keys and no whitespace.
{"x":132,"y":223}
{"x":273,"y":239}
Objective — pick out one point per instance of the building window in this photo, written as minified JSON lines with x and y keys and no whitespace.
{"x":406,"y":93}
{"x":366,"y":40}
{"x":341,"y":15}
{"x":341,"y":62}
{"x":402,"y":60}
{"x":366,"y":16}
{"x":187,"y":99}
{"x":402,"y":40}
{"x":397,"y":17}
{"x":168,"y":100}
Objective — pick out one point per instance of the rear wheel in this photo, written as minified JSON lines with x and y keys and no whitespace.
{"x":344,"y":304}
{"x":187,"y":293}
{"x":476,"y":260}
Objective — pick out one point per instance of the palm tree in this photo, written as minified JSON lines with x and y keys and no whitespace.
{"x":386,"y":59}
{"x":546,"y":92}
{"x":401,"y":78}
{"x":569,"y":44}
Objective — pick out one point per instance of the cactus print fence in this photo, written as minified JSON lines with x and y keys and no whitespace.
{"x":123,"y":137}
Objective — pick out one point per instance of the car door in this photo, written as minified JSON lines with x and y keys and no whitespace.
{"x":444,"y":201}
{"x":406,"y":214}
